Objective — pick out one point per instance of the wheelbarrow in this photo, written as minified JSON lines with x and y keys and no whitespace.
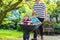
{"x":29,"y":27}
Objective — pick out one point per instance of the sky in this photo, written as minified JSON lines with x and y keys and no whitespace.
{"x":53,"y":0}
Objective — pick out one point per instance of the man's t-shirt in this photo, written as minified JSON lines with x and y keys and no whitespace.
{"x":34,"y":20}
{"x":40,"y":10}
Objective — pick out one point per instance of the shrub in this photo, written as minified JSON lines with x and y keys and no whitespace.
{"x":46,"y":25}
{"x":57,"y":28}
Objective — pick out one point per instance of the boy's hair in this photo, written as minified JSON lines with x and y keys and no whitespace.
{"x":34,"y":13}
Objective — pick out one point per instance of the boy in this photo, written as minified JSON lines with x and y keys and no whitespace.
{"x":35,"y":21}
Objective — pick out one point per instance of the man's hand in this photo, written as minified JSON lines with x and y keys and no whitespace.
{"x":45,"y":19}
{"x":40,"y":22}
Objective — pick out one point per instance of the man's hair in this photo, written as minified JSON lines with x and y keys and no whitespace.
{"x":36,"y":0}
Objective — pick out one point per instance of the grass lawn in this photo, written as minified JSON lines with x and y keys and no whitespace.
{"x":10,"y":34}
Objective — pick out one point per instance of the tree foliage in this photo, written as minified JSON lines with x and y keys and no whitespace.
{"x":24,"y":6}
{"x":8,"y":8}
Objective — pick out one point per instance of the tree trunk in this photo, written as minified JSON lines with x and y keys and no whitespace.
{"x":50,"y":18}
{"x":3,"y":14}
{"x":57,"y":19}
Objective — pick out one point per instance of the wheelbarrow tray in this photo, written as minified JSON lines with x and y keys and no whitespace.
{"x":28,"y":27}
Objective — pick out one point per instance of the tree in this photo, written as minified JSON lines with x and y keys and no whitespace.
{"x":56,"y":12}
{"x":27,"y":5}
{"x":9,"y":8}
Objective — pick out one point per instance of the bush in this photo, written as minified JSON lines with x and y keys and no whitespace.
{"x":57,"y":25}
{"x":48,"y":25}
{"x":57,"y":28}
{"x":19,"y":28}
{"x":3,"y":27}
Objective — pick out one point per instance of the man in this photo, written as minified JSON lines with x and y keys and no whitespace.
{"x":40,"y":9}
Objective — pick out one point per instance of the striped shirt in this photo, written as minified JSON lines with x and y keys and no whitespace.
{"x":40,"y":10}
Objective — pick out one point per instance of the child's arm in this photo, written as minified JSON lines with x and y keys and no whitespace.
{"x":40,"y":22}
{"x":29,"y":22}
{"x":22,"y":22}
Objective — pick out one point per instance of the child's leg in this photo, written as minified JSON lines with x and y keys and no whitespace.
{"x":34,"y":36}
{"x":26,"y":35}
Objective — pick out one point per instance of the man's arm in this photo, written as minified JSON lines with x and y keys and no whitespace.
{"x":45,"y":11}
{"x":45,"y":14}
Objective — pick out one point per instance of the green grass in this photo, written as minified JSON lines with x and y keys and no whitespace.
{"x":10,"y":34}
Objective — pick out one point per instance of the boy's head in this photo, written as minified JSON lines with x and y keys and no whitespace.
{"x":26,"y":16}
{"x":34,"y":14}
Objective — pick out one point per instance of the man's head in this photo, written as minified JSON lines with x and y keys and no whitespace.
{"x":37,"y":1}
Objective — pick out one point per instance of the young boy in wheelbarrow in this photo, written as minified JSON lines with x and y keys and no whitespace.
{"x":32,"y":24}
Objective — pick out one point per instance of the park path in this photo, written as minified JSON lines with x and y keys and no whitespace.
{"x":49,"y":37}
{"x":57,"y":37}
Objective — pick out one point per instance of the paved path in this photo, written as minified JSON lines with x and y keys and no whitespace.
{"x":45,"y":38}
